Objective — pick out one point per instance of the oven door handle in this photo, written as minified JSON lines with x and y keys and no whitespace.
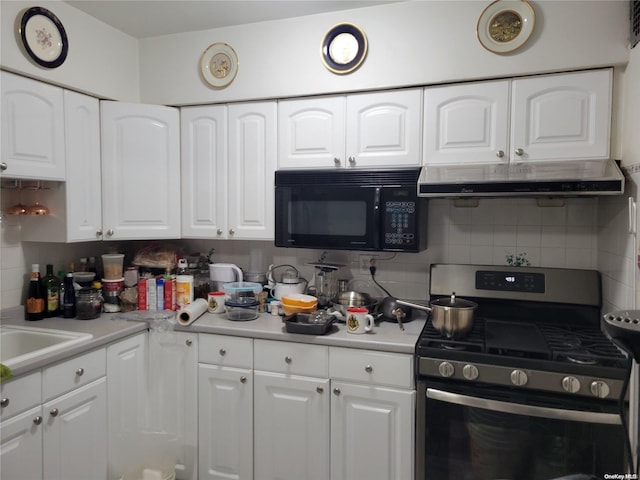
{"x":519,"y":409}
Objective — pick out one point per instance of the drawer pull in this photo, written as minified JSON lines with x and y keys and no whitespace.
{"x":243,"y":379}
{"x":188,"y":343}
{"x":319,"y":389}
{"x":80,"y":372}
{"x":368,"y":369}
{"x":288,"y":359}
{"x":4,"y":402}
{"x":37,"y":420}
{"x":336,"y":391}
{"x":222,"y":352}
{"x":54,"y":412}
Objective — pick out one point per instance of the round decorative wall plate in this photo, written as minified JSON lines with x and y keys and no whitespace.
{"x":343,"y":48}
{"x":505,"y":25}
{"x":219,"y":65}
{"x":44,"y":37}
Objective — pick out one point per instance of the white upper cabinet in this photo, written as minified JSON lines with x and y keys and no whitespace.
{"x":32,"y":129}
{"x":466,"y":123}
{"x":252,"y":165}
{"x":140,"y":171}
{"x":566,"y":116}
{"x":360,"y":130}
{"x":547,"y":117}
{"x":204,"y":171}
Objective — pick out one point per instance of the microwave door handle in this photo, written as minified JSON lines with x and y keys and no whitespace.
{"x":377,"y":199}
{"x":520,"y":409}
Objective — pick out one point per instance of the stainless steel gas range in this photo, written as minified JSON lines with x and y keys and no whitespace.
{"x":534,"y":391}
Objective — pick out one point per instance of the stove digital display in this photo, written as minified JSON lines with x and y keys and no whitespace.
{"x":510,"y":281}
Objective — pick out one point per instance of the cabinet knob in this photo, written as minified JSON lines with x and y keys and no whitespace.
{"x":336,"y":391}
{"x":188,"y":343}
{"x":336,"y":161}
{"x":243,"y":379}
{"x":319,"y":389}
{"x":500,"y":153}
{"x":288,"y":359}
{"x":98,"y":233}
{"x":110,"y":232}
{"x":80,"y":372}
{"x":54,"y":412}
{"x":519,"y":152}
{"x":232,"y":231}
{"x":4,"y":402}
{"x":368,"y":369}
{"x":37,"y":420}
{"x":222,"y":352}
{"x":3,"y":166}
{"x":352,"y":161}
{"x":219,"y":231}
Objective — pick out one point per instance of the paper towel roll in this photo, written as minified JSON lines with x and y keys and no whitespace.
{"x":190,"y":313}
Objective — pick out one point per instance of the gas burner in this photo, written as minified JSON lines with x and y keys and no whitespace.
{"x":581,"y":358}
{"x":451,"y":346}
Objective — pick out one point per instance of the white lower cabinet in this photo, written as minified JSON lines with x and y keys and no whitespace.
{"x":74,"y":440}
{"x":225,"y":408}
{"x":21,"y":445}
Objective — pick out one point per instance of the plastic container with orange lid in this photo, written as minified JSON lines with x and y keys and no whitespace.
{"x":300,"y":300}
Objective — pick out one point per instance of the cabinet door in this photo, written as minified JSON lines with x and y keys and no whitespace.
{"x":140,"y":171}
{"x":128,"y":400}
{"x":252,"y":166}
{"x":32,"y":129}
{"x":291,"y":427}
{"x":311,"y":133}
{"x":173,"y":399}
{"x":566,"y":116}
{"x":204,"y":171}
{"x":75,"y":438}
{"x":225,"y":423}
{"x":21,"y":445}
{"x":372,"y":432}
{"x":466,"y":123}
{"x":383,"y":129}
{"x":83,"y":185}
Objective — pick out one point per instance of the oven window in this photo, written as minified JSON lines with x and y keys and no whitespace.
{"x":328,"y":217}
{"x":463,"y":442}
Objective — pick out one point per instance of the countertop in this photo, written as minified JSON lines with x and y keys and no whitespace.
{"x":110,"y":327}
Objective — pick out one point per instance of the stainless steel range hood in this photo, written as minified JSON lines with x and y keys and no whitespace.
{"x":536,"y":179}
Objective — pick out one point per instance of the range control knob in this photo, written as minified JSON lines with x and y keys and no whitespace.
{"x":519,"y":378}
{"x":470,"y":372}
{"x":446,"y":369}
{"x":599,"y":389}
{"x":570,"y":384}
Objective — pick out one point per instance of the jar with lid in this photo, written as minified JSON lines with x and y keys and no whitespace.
{"x":88,"y":304}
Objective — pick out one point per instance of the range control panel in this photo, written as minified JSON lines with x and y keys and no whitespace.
{"x":510,"y":281}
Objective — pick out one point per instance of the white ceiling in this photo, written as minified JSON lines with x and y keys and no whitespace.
{"x":150,"y":18}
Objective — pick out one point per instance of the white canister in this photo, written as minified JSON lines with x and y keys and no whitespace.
{"x":184,"y":290}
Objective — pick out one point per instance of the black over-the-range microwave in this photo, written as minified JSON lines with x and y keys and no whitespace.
{"x":350,"y":209}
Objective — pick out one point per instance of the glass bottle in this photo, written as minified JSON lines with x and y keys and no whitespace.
{"x":69,"y":297}
{"x":34,"y":306}
{"x":52,"y":291}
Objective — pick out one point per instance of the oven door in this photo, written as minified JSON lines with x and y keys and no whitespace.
{"x":479,"y":432}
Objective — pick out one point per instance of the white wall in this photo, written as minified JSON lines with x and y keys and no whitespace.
{"x":410,"y":43}
{"x":101,"y":61}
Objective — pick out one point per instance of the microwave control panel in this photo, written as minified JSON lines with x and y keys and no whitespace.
{"x":400,"y":223}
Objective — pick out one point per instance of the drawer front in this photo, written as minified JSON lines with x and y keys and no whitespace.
{"x":225,"y":350}
{"x":74,"y":373}
{"x":292,"y":358}
{"x":367,"y":366}
{"x":20,"y":394}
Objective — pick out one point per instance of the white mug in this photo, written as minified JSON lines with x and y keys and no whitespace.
{"x":215,"y":301}
{"x":359,"y":320}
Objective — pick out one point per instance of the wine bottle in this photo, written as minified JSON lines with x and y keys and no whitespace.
{"x":51,"y":286}
{"x":34,"y":306}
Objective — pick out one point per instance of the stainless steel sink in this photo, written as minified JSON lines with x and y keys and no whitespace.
{"x":18,"y":344}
